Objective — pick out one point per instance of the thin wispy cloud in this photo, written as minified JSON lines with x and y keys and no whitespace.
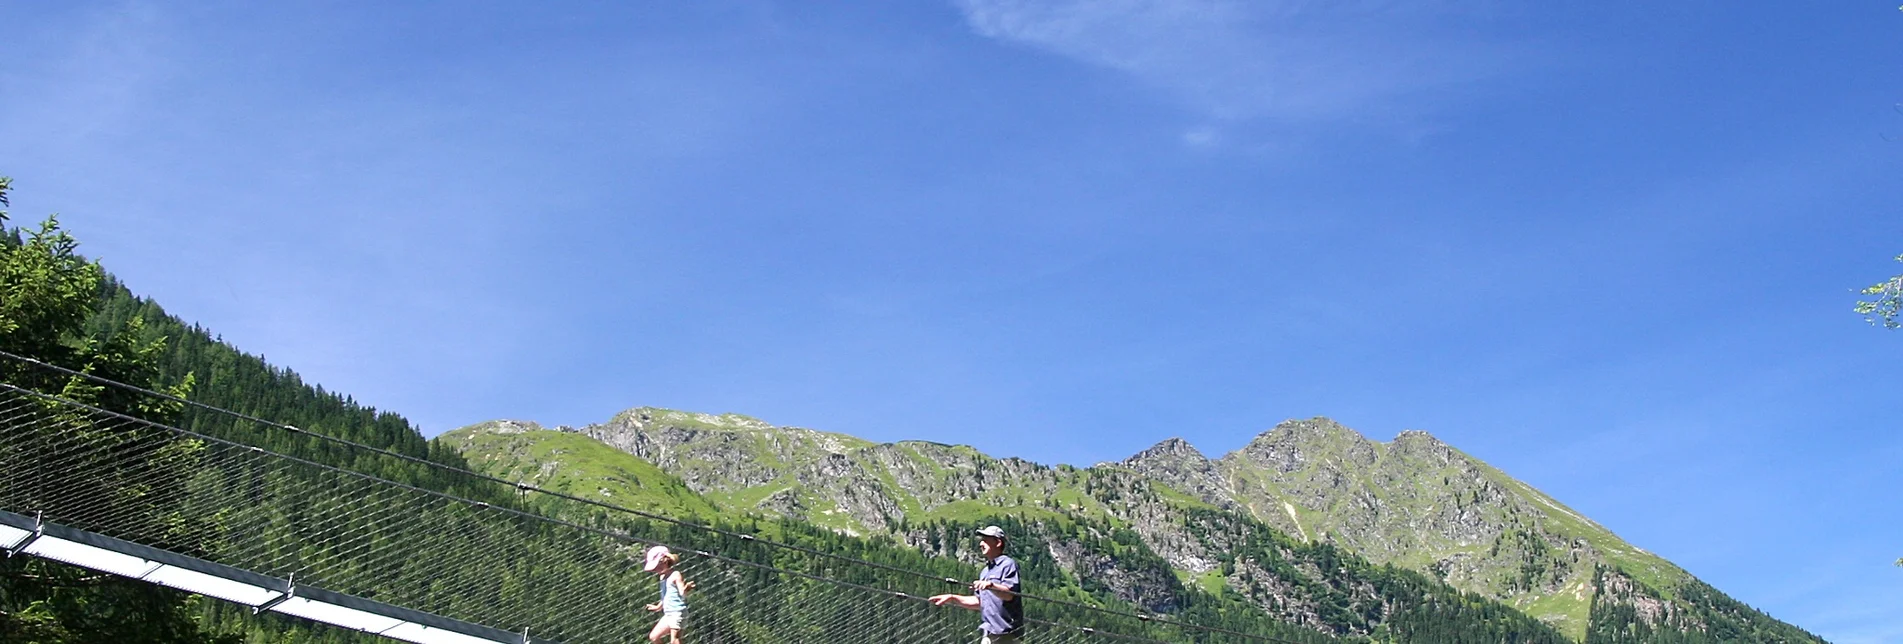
{"x":109,"y":69}
{"x":1291,"y":60}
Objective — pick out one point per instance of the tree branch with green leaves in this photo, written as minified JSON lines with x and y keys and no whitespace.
{"x":1884,"y":310}
{"x":1888,"y":302}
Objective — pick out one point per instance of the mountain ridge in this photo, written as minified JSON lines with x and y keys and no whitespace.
{"x":1414,"y":502}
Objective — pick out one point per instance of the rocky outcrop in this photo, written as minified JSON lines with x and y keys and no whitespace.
{"x":856,"y":491}
{"x":508,"y":427}
{"x":716,"y":453}
{"x":1277,"y":595}
{"x":1619,"y":590}
{"x":1151,"y":588}
{"x":1180,"y":465}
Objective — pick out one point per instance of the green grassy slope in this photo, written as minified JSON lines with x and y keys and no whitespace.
{"x":575,"y":465}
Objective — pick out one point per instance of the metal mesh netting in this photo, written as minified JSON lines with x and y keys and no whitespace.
{"x":520,"y":560}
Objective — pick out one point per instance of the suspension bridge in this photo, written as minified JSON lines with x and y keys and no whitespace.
{"x":447,"y":555}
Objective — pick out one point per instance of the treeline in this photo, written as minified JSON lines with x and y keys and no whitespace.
{"x":229,"y":379}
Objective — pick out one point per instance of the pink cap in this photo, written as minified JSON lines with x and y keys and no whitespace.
{"x":654,"y":558}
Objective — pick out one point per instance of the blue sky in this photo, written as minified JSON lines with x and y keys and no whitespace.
{"x":1610,"y":248}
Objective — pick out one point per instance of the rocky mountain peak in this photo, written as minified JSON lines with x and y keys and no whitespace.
{"x":1176,"y":463}
{"x":1418,"y":439}
{"x":643,"y":417}
{"x":1169,"y":452}
{"x":1319,"y":428}
{"x":506,"y":427}
{"x":1293,"y":443}
{"x":1424,"y":450}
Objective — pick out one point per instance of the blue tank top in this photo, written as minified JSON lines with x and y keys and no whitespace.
{"x":671,"y":599}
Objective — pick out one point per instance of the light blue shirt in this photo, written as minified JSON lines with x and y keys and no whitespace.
{"x":671,"y":599}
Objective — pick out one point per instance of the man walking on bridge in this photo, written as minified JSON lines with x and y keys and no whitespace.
{"x":995,"y":594}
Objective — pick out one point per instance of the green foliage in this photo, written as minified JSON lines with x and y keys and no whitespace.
{"x":49,"y":603}
{"x":47,"y":294}
{"x":1887,"y":305}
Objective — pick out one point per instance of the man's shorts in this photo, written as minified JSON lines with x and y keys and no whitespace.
{"x":670,"y":621}
{"x":1000,"y":639}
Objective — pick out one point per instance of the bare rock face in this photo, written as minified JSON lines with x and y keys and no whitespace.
{"x":1617,"y":589}
{"x":1153,"y":589}
{"x":786,"y":503}
{"x":507,"y":427}
{"x":714,"y":453}
{"x":1297,"y":444}
{"x":1277,"y":595}
{"x":937,"y":474}
{"x":1162,"y":530}
{"x":856,"y":491}
{"x":1180,"y":465}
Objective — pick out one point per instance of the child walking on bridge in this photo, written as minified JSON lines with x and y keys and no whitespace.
{"x":674,"y":589}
